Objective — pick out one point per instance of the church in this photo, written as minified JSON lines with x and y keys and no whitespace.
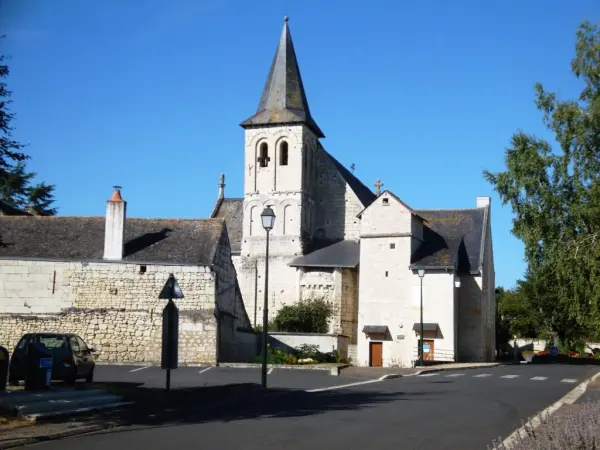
{"x":375,"y":258}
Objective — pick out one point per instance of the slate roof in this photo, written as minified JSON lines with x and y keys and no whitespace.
{"x":169,"y":241}
{"x":364,"y":194}
{"x":452,"y":238}
{"x":232,"y":211}
{"x":283,"y":100}
{"x":341,"y":254}
{"x":8,"y":210}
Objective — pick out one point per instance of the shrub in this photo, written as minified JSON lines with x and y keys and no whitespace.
{"x":306,"y":316}
{"x":578,"y":430}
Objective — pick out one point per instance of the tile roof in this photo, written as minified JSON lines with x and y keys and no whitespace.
{"x":232,"y":211}
{"x":169,"y":241}
{"x":341,"y":254}
{"x":283,"y":100}
{"x":452,"y":238}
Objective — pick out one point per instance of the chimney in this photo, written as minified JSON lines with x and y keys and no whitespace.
{"x":114,"y":232}
{"x":482,"y":202}
{"x":222,"y":186}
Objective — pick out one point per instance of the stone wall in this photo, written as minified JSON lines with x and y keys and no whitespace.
{"x":115,"y":308}
{"x":119,"y":335}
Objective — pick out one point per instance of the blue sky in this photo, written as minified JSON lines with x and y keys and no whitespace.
{"x":149,"y":95}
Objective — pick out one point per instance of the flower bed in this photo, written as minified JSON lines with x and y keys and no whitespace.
{"x":302,"y":355}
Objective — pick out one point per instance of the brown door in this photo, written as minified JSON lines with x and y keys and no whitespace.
{"x":428,"y":354}
{"x":376,"y":354}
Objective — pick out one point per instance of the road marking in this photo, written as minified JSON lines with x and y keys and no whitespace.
{"x":521,"y":433}
{"x":139,"y":368}
{"x":509,"y":376}
{"x":204,"y":370}
{"x":539,"y":378}
{"x":270,"y":371}
{"x":341,"y":386}
{"x":568,"y":380}
{"x":482,"y":375}
{"x":429,"y":375}
{"x":456,"y":375}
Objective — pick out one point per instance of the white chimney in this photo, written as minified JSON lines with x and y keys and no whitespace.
{"x":483,"y":201}
{"x":114,"y":232}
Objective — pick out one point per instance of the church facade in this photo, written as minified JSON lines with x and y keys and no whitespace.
{"x":369,"y":254}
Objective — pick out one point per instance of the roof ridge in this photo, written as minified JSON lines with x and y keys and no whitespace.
{"x":446,"y":209}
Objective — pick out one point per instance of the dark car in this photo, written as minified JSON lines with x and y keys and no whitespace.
{"x":72,"y":358}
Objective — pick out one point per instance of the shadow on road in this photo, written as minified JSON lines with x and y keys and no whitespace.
{"x":156,"y":407}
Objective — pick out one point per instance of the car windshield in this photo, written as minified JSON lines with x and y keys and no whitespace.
{"x":54,"y":342}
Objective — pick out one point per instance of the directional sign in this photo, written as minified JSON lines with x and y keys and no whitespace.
{"x":553,"y":351}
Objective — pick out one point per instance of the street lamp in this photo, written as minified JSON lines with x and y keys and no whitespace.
{"x":421,"y":273}
{"x":268,"y":221}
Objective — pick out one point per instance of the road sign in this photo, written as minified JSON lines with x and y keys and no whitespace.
{"x":553,"y":351}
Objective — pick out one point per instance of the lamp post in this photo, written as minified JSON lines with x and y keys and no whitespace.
{"x":421,"y":273}
{"x":268,"y":221}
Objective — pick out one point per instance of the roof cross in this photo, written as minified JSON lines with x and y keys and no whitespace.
{"x":378,"y":185}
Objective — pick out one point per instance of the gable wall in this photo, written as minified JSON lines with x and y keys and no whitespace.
{"x":379,"y":218}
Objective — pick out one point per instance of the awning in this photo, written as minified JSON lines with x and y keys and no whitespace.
{"x":426,"y":326}
{"x":375,"y":329}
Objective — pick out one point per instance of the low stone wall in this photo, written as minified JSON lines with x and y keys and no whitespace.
{"x":325,"y":342}
{"x":120,"y":335}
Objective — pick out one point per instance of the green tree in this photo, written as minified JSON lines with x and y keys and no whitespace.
{"x":555,"y":197}
{"x":16,"y":183}
{"x":307,"y":316}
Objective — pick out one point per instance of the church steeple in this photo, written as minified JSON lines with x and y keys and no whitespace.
{"x":283,"y":100}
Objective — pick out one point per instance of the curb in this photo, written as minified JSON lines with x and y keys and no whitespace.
{"x":18,"y":442}
{"x":442,"y":369}
{"x":569,"y":398}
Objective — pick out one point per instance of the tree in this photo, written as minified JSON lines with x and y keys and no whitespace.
{"x":307,"y":316}
{"x":555,"y":197}
{"x":16,"y":183}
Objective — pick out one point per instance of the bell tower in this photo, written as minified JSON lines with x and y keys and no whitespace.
{"x":280,"y":150}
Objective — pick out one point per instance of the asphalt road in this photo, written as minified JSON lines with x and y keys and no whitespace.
{"x":450,"y":410}
{"x":185,"y":377}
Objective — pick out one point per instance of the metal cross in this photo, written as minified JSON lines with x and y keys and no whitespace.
{"x":352,"y":167}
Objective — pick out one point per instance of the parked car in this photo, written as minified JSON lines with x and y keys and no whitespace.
{"x":72,"y":358}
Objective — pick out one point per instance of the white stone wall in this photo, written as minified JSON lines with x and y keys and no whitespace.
{"x":386,"y":216}
{"x":336,"y":204}
{"x":393,"y":300}
{"x":114,"y":306}
{"x":325,"y":342}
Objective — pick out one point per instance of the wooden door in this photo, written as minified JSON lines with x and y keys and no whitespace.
{"x":376,"y":354}
{"x":428,"y":350}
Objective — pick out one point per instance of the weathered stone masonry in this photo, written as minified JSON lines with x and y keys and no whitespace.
{"x":112,"y":306}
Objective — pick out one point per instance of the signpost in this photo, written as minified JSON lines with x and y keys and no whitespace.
{"x":170,"y":327}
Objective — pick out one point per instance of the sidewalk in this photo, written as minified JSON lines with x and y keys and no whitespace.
{"x":375,"y":372}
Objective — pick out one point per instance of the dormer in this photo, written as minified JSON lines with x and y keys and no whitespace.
{"x":390,"y":216}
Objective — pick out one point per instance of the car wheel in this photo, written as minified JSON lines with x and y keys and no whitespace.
{"x":90,"y":377}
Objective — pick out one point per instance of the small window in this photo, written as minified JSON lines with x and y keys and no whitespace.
{"x":283,"y":154}
{"x":82,"y":346}
{"x":263,"y":157}
{"x":392,"y":245}
{"x":142,"y":269}
{"x":386,"y":201}
{"x":386,"y":273}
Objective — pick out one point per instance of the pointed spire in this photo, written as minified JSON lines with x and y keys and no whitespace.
{"x":283,"y":100}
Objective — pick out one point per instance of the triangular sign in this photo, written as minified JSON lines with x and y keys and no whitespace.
{"x":171,"y":289}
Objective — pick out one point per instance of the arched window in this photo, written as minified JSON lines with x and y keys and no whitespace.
{"x":263,"y":155}
{"x":283,"y":154}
